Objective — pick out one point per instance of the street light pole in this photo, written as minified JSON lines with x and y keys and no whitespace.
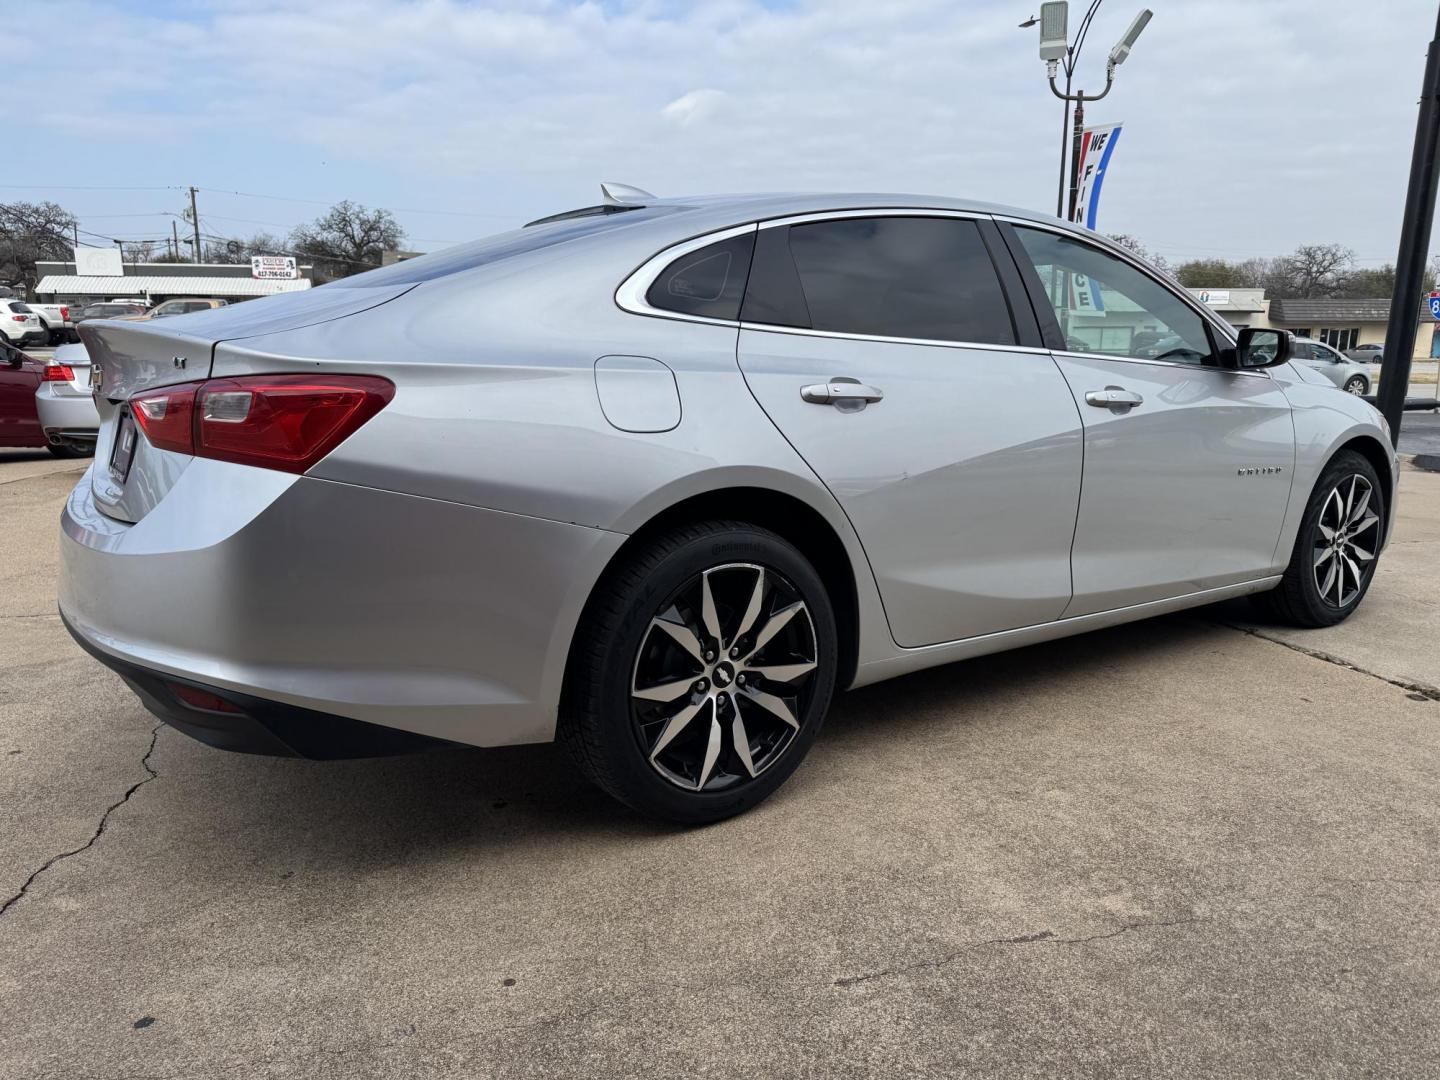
{"x":1414,"y":242}
{"x":1059,"y":53}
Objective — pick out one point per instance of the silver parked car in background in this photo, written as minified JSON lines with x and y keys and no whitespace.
{"x":65,"y":402}
{"x":1349,"y":375}
{"x":1373,"y":353}
{"x":658,"y":477}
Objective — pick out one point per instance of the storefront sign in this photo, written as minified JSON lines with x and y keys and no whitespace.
{"x":273,"y":267}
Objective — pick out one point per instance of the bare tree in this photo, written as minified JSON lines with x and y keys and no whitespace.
{"x":1133,"y":245}
{"x":239,"y":250}
{"x":347,"y":239}
{"x":1314,"y":271}
{"x":28,"y":232}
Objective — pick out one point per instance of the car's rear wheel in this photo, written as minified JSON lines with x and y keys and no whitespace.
{"x":1337,"y":548}
{"x":1356,"y":385}
{"x":701,"y":672}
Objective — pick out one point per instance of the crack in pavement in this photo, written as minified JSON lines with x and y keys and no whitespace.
{"x":1045,"y":937}
{"x":1424,"y":689}
{"x":99,"y":829}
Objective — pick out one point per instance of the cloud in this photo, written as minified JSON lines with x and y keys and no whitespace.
{"x":694,"y":107}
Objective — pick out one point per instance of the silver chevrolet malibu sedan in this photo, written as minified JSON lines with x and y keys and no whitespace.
{"x":655,"y":478}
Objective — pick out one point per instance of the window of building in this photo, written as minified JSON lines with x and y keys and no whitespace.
{"x":1105,"y":305}
{"x":1340,"y":338}
{"x":928,"y":278}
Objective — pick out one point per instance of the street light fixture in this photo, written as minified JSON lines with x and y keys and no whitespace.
{"x":1059,"y":52}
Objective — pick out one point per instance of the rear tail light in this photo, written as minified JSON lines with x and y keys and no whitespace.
{"x":58,"y":373}
{"x":165,"y":416}
{"x":286,"y":422}
{"x":64,"y":313}
{"x":20,"y":318}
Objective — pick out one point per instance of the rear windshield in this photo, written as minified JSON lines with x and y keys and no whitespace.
{"x":493,"y":249}
{"x":20,"y":309}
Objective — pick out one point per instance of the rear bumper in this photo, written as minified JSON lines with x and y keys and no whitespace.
{"x":72,"y":415}
{"x":256,"y":726}
{"x":429,"y":617}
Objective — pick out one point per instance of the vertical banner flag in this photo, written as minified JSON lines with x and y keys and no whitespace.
{"x":1096,"y":145}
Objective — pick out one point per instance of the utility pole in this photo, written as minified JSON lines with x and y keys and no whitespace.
{"x":175,"y":239}
{"x":195,"y":221}
{"x":1414,"y":244}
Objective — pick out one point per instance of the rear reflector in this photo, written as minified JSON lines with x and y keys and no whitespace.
{"x":58,"y":373}
{"x":200,"y":699}
{"x":286,"y":422}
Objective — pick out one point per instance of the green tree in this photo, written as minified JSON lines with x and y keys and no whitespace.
{"x":1213,"y":274}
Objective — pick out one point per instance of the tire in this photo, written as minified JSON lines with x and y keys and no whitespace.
{"x":1356,"y":385}
{"x":70,"y":450}
{"x":1307,"y":595}
{"x":678,"y":756}
{"x":54,"y":337}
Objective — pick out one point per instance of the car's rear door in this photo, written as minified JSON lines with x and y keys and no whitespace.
{"x":882,"y":345}
{"x":1187,"y":464}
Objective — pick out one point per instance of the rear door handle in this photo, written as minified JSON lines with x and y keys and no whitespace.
{"x":1112,"y":397}
{"x":842,"y":392}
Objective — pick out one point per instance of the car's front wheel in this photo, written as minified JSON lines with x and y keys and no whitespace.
{"x":1337,"y":548}
{"x":1356,"y":385}
{"x":701,"y":672}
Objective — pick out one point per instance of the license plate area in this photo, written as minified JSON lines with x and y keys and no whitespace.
{"x":123,"y":452}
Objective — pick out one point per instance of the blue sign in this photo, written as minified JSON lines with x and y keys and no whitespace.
{"x":1435,"y":305}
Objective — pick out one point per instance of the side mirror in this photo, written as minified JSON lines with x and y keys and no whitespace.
{"x":1258,"y":349}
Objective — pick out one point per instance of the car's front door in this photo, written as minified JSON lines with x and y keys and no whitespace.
{"x":883,"y":348}
{"x":1187,"y":464}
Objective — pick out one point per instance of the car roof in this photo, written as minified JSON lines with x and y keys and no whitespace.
{"x":635,"y":230}
{"x":752,"y":207}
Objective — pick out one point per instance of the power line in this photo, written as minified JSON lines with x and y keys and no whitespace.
{"x":393,"y":209}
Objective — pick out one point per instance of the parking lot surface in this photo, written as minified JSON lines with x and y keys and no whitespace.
{"x":1190,"y":847}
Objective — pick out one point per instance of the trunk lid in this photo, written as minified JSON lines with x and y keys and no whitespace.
{"x":135,"y":357}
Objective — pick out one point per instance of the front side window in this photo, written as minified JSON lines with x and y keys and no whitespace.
{"x":1106,"y":306}
{"x":709,"y":282}
{"x":929,"y":278}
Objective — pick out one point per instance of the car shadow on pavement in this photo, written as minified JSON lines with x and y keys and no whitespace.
{"x":368,"y":815}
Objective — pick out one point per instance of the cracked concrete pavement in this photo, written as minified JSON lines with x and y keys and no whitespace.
{"x":1175,"y":848}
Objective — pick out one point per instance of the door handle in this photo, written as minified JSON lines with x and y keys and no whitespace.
{"x":842,"y":392}
{"x":1113,"y":397}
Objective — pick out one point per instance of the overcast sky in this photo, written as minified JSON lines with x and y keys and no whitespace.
{"x":1251,"y":126}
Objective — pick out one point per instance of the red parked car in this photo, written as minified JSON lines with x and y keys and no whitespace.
{"x":20,"y":376}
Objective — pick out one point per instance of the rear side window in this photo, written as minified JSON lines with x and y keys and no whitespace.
{"x":911,"y":277}
{"x":709,"y":281}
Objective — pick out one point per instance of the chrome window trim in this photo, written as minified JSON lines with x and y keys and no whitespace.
{"x":1182,"y":294}
{"x":1173,"y":364}
{"x":630,"y":296}
{"x":877,"y":211}
{"x":769,"y":328}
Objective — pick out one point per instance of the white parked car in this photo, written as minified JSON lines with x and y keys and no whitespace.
{"x":21,"y":326}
